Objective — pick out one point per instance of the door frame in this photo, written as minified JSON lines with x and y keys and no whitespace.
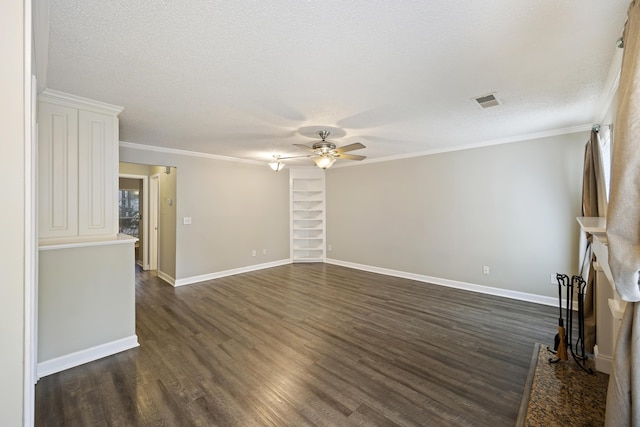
{"x":154,"y":200}
{"x":145,"y":215}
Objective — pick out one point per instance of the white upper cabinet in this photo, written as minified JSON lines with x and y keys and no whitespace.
{"x":77,"y":167}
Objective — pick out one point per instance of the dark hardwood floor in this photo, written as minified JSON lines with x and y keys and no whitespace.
{"x":307,"y":344}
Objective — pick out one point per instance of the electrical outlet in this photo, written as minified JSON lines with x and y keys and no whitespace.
{"x":485,"y":269}
{"x":553,"y":279}
{"x":264,"y":252}
{"x":254,"y":252}
{"x":330,"y":247}
{"x":186,"y":220}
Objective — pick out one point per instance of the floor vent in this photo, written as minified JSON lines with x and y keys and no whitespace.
{"x":486,"y":101}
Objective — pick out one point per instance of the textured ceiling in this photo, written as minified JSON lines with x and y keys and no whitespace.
{"x":248,"y":79}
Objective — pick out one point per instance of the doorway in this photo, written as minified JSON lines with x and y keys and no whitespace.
{"x":133,"y":202}
{"x":158,"y":216}
{"x":154,"y":195}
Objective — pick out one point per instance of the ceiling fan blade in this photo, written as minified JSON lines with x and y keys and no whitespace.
{"x":303,"y":147}
{"x":350,"y":147}
{"x":294,"y":157}
{"x":350,"y":157}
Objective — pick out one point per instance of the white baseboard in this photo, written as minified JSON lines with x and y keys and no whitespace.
{"x":225,"y":273}
{"x":604,"y":363}
{"x":164,"y":276}
{"x":522,"y":296}
{"x":81,"y":357}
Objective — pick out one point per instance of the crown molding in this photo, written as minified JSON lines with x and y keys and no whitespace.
{"x":179,"y":152}
{"x":610,"y":87}
{"x":481,"y":144}
{"x":74,"y":101}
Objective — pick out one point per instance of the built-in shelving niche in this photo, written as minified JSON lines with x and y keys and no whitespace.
{"x":307,"y":215}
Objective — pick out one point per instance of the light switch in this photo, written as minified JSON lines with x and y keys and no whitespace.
{"x":186,"y":220}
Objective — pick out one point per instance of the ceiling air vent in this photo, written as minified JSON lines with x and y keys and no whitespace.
{"x":486,"y":101}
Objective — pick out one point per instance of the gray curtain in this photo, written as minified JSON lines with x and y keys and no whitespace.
{"x":623,"y":232}
{"x":594,"y":203}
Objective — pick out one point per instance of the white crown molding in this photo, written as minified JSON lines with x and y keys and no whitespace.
{"x":610,"y":87}
{"x":177,"y":151}
{"x":225,"y":273}
{"x":74,"y":101}
{"x":481,"y":144}
{"x":81,"y":357}
{"x":506,"y":293}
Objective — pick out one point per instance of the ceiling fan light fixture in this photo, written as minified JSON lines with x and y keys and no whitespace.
{"x":324,"y":162}
{"x":276,"y":164}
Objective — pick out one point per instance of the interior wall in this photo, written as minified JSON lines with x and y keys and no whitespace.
{"x":510,"y":207}
{"x":86,"y":298}
{"x":133,"y":169}
{"x":12,"y":191}
{"x":234,"y":207}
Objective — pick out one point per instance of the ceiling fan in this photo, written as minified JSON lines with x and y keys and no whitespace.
{"x":325,"y":153}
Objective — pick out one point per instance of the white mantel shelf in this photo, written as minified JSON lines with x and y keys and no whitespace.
{"x":594,"y":225}
{"x":597,"y":226}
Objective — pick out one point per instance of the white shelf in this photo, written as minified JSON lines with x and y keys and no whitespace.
{"x":307,"y":215}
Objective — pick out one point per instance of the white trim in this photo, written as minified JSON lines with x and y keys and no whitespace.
{"x":603,"y":363}
{"x":164,"y":276}
{"x":225,"y":273}
{"x":30,"y":265}
{"x":481,"y":144}
{"x":506,"y":293}
{"x":74,"y":101}
{"x":610,"y":87}
{"x":53,"y":244}
{"x":81,"y":357}
{"x":177,"y":151}
{"x":608,"y":99}
{"x":154,"y":224}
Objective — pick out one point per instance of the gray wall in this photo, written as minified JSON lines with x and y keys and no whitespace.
{"x":86,"y":298}
{"x":511,"y":207}
{"x":12,"y":285}
{"x":235,"y":208}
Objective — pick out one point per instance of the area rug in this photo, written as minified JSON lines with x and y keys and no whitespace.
{"x":562,"y":394}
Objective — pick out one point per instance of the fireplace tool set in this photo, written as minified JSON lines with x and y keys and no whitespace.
{"x":564,"y":338}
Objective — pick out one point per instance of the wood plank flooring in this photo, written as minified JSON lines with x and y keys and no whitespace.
{"x":307,"y":345}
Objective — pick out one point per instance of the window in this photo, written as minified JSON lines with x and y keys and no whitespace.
{"x":605,"y":149}
{"x":129,"y":203}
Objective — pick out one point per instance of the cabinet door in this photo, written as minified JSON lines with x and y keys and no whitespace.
{"x":57,"y":170}
{"x":96,"y":174}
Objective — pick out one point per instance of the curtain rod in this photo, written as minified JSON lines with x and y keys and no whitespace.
{"x":597,"y":127}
